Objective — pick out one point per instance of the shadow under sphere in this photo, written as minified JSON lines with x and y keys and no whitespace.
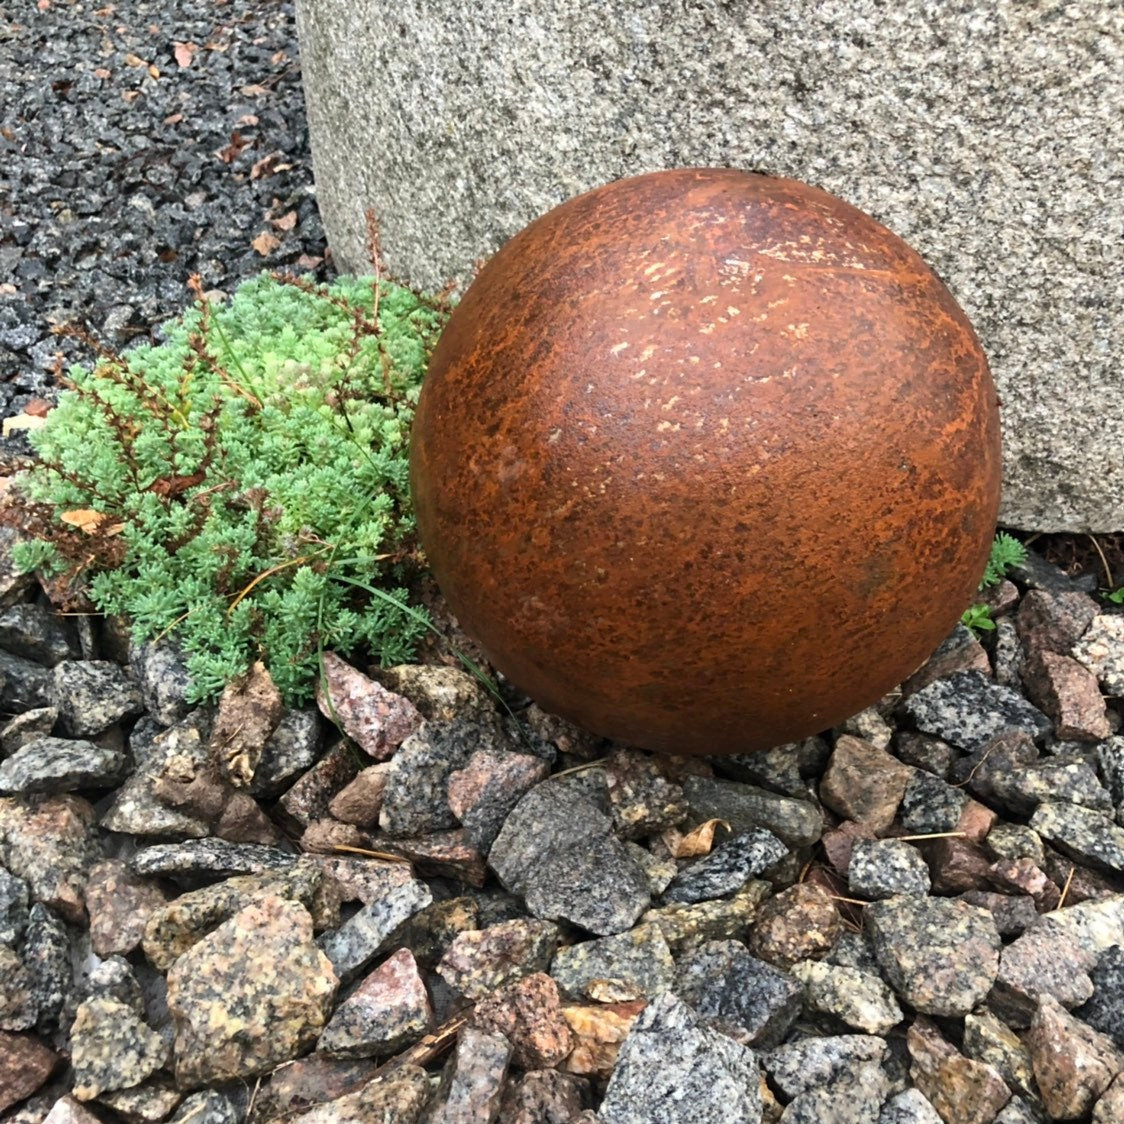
{"x":707,"y":461}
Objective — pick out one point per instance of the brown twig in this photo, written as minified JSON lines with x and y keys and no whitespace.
{"x":975,"y":767}
{"x":247,"y":589}
{"x":600,"y":763}
{"x":932,"y":835}
{"x":430,"y":1048}
{"x":1065,"y":888}
{"x":253,"y":1098}
{"x":371,"y":854}
{"x":1104,"y":561}
{"x":197,"y":341}
{"x":849,"y":901}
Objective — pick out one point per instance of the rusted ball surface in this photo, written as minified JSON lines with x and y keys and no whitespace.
{"x":707,"y":461}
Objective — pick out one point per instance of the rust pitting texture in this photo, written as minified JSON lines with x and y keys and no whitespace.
{"x":707,"y":461}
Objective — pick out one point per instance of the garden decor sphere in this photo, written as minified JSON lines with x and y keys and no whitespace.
{"x":707,"y":461}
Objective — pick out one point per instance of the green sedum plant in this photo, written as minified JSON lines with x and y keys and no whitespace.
{"x":242,"y":483}
{"x":1006,"y":552}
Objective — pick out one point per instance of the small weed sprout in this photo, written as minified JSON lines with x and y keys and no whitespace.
{"x":978,"y":619}
{"x":1006,"y":552}
{"x":239,"y":484}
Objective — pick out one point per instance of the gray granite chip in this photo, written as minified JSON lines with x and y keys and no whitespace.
{"x":292,"y":747}
{"x":1086,"y":835}
{"x":90,"y":695}
{"x":881,"y":868}
{"x":745,"y":997}
{"x":23,"y":685}
{"x":161,"y":671}
{"x":52,"y":765}
{"x":556,"y":849}
{"x":967,"y":708}
{"x":206,"y":1107}
{"x":941,"y":956}
{"x":209,"y":858}
{"x":818,"y":1062}
{"x":727,"y":868}
{"x":36,"y":633}
{"x":639,"y":959}
{"x":13,"y":908}
{"x":745,"y":807}
{"x":111,"y":1048}
{"x":673,"y":1069}
{"x":356,"y":943}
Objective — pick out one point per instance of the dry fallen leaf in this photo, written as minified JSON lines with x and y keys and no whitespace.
{"x":700,"y":840}
{"x":285,"y":222}
{"x":184,"y":52}
{"x":22,"y":421}
{"x":174,"y":119}
{"x":85,"y":519}
{"x":134,"y":60}
{"x":264,"y":166}
{"x":309,"y":261}
{"x":265,"y":243}
{"x":175,"y":485}
{"x":232,"y":151}
{"x":248,"y":713}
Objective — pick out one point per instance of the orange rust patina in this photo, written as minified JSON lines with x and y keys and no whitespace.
{"x":707,"y":461}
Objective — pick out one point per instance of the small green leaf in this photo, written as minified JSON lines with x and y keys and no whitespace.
{"x":978,"y":619}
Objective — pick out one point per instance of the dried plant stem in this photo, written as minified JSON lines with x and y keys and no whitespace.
{"x":1104,"y":561}
{"x":385,"y":855}
{"x":267,"y":573}
{"x":600,"y":763}
{"x":253,"y":1099}
{"x":1065,"y":888}
{"x":430,"y":1048}
{"x":975,"y":767}
{"x":932,"y":835}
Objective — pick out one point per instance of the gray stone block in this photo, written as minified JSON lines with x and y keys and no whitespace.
{"x":987,"y":135}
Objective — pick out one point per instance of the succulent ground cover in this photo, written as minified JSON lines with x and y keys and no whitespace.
{"x":242,"y":484}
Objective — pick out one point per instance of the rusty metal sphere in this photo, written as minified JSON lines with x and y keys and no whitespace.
{"x":707,"y":461}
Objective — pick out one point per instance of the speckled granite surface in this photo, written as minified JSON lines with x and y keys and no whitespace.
{"x":989,"y":136}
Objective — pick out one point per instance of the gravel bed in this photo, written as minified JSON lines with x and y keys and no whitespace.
{"x":449,"y":910}
{"x":140,"y":143}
